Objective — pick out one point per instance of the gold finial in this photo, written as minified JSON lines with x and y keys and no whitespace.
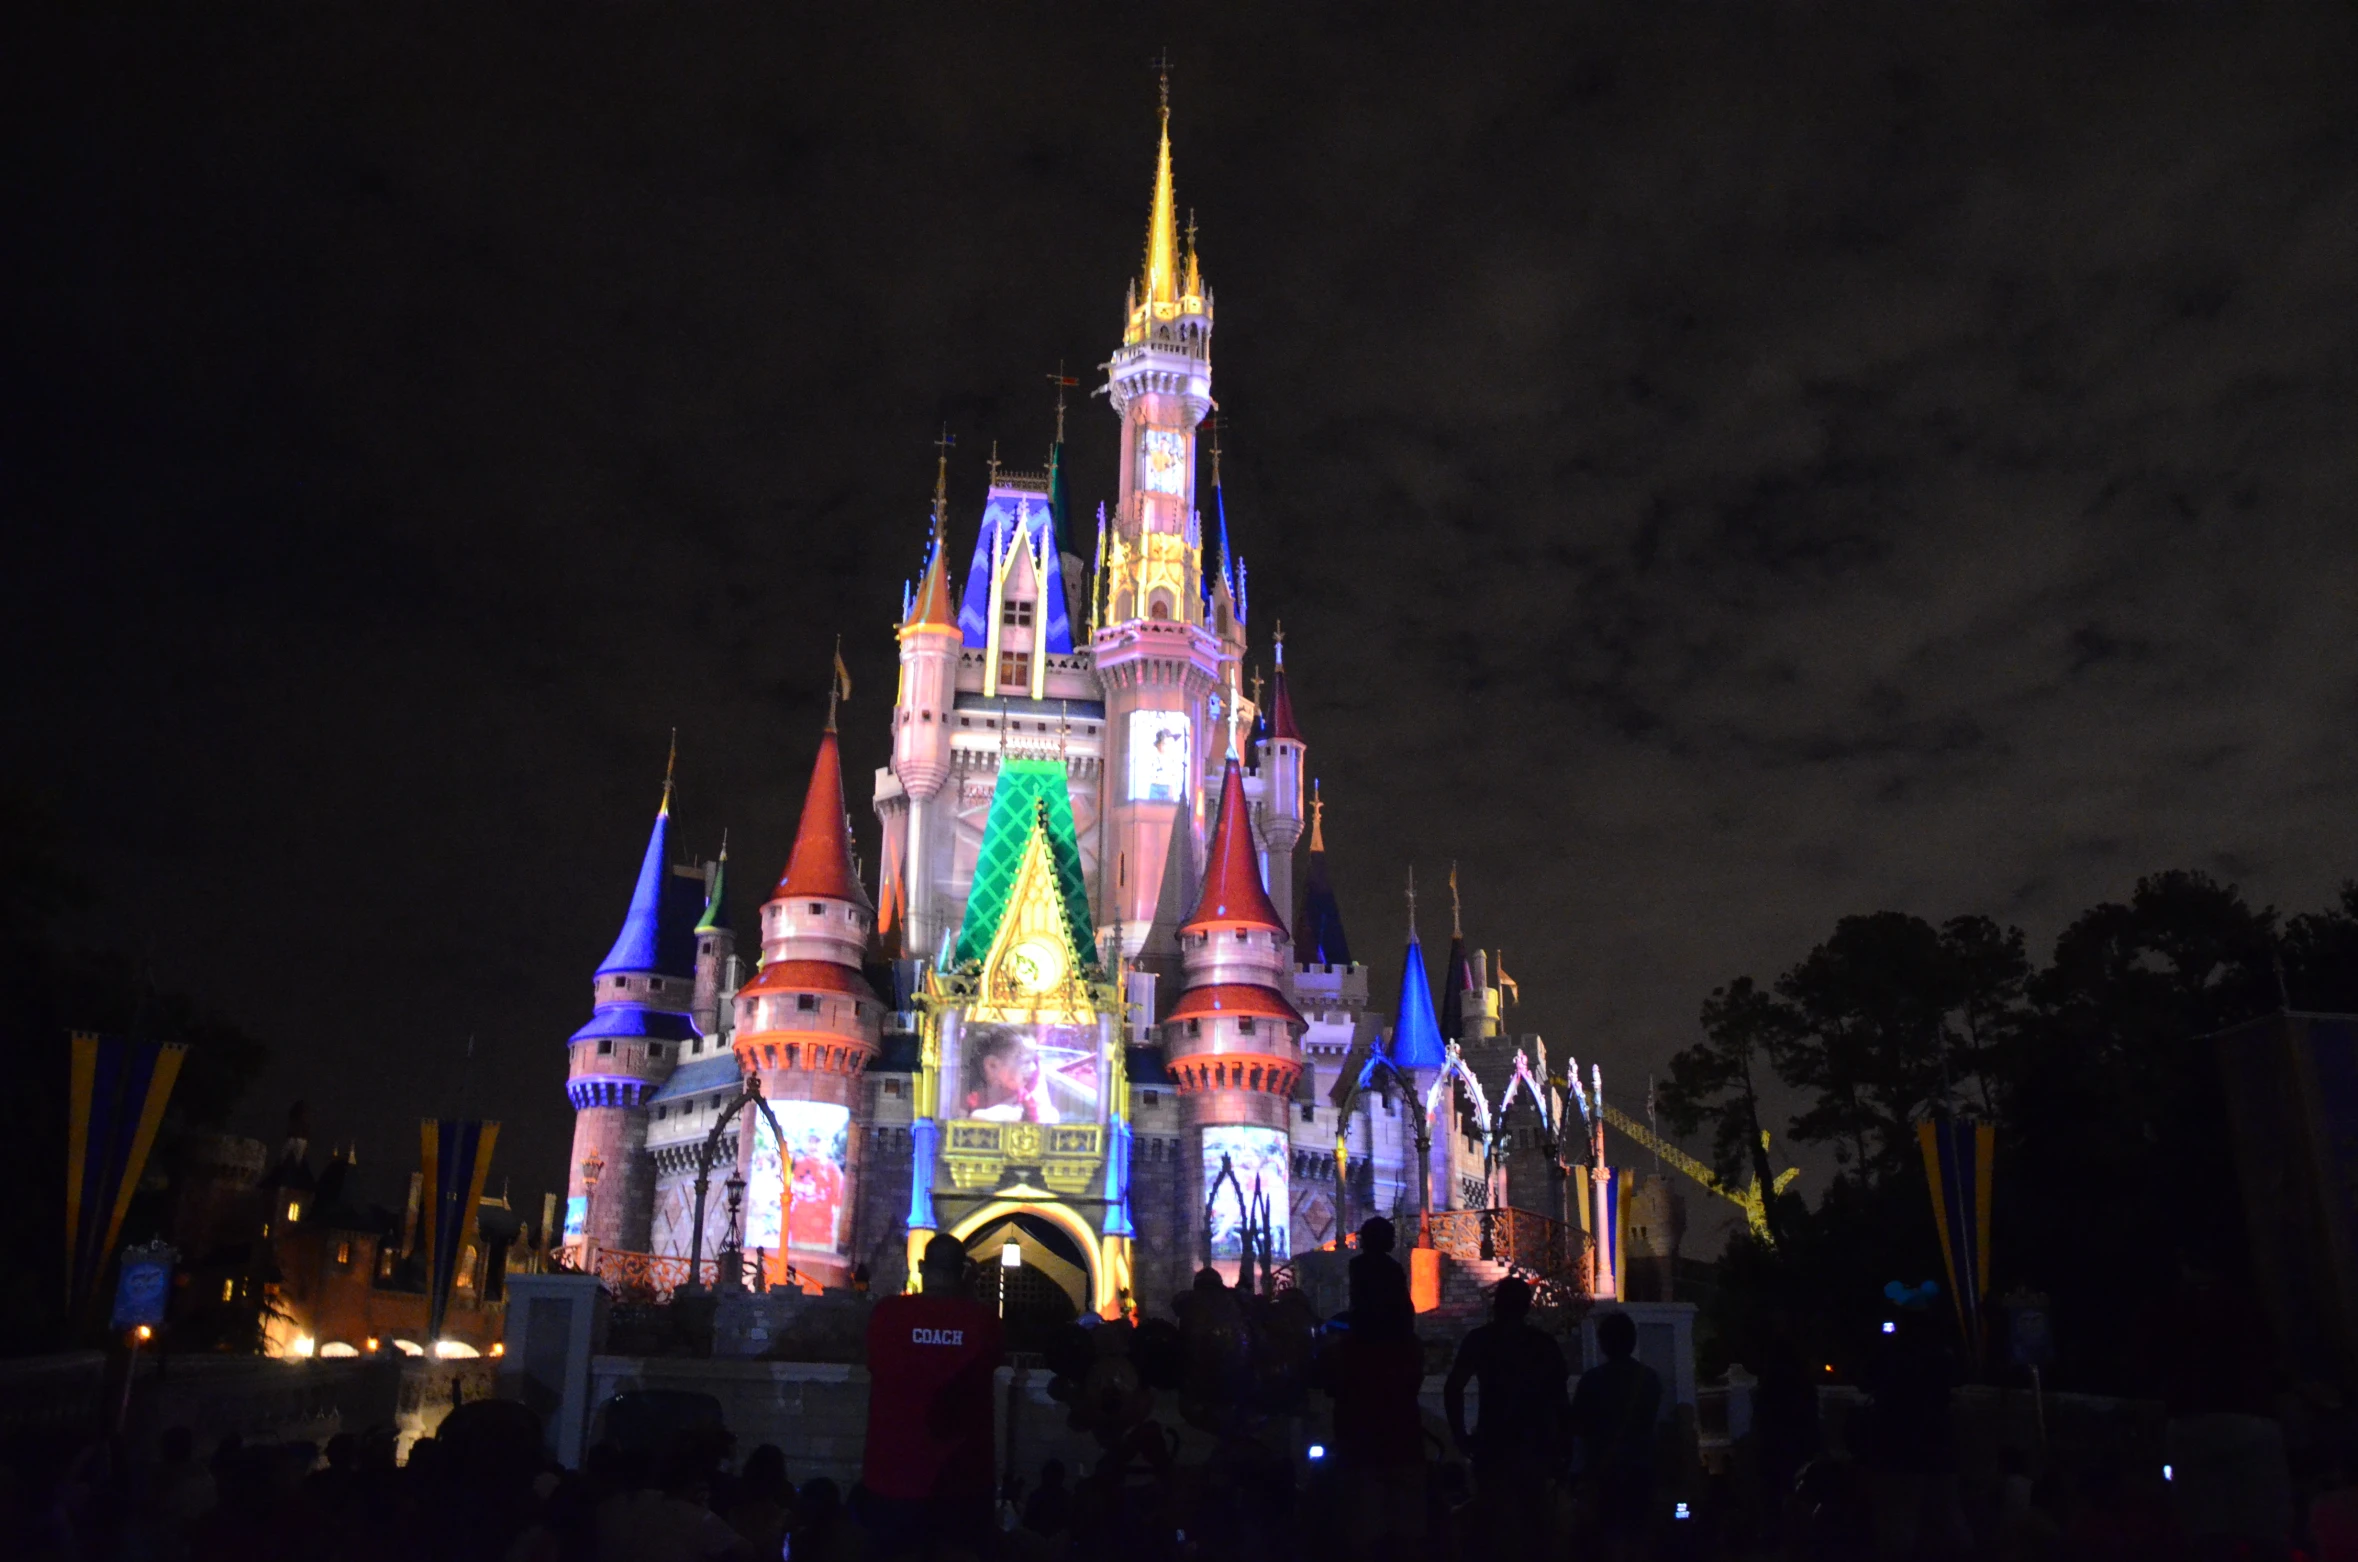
{"x":670,"y":762}
{"x":1256,"y":688}
{"x":1217,"y":420}
{"x":1162,"y":228}
{"x":1317,"y":818}
{"x":1456,"y":926}
{"x":941,"y":480}
{"x":1277,"y":639}
{"x":724,"y":856}
{"x":994,"y":463}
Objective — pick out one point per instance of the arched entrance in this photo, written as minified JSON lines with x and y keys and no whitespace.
{"x":1050,"y":1286}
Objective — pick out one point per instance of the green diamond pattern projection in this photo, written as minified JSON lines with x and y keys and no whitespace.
{"x":1027,"y":789}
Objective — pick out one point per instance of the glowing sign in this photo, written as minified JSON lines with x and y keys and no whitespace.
{"x":1259,"y":1158}
{"x":817,"y":1142}
{"x":1158,"y":756}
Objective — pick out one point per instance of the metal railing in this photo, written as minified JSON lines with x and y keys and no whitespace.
{"x":1550,"y":1254}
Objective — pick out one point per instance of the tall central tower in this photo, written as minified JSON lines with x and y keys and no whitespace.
{"x":1166,"y":655}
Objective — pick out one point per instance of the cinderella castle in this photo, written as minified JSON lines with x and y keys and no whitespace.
{"x":1084,"y":1019}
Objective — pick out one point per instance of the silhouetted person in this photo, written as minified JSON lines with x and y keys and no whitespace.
{"x":1374,"y":1373}
{"x":1785,"y":1432}
{"x":1520,"y":1374}
{"x":762,"y":1509}
{"x":1913,"y":1455}
{"x":1613,"y":1414}
{"x":1051,"y":1507}
{"x":2211,"y":1356}
{"x":1379,"y":1286}
{"x":927,"y":1477}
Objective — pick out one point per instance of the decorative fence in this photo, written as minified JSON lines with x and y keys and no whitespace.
{"x":639,"y":1277}
{"x":1548,"y":1253}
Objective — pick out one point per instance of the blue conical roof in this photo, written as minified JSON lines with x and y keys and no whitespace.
{"x":646,"y":943}
{"x":1416,"y":1034}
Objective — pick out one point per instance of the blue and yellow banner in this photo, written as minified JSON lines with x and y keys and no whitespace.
{"x":457,"y":1155}
{"x":1957,"y":1157}
{"x":114,"y":1107}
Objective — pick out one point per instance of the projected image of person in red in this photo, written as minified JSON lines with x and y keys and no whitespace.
{"x":818,"y":1196}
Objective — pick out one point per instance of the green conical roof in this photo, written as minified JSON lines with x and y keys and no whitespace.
{"x":1028,"y":789}
{"x":716,"y":902}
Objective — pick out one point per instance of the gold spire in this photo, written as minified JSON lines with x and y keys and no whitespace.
{"x":1317,"y":818}
{"x":1194,"y":287}
{"x":1162,"y":228}
{"x":670,"y":762}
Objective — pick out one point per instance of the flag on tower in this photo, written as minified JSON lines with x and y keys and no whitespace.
{"x":114,"y":1106}
{"x":842,"y":673}
{"x":457,"y":1155}
{"x":1957,"y":1160}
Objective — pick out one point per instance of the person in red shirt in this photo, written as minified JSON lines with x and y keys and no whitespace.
{"x":927,"y":1479}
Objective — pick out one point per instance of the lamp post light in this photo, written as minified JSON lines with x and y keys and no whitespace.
{"x":592,"y":1166}
{"x":732,"y":1253}
{"x":1010,"y":1260}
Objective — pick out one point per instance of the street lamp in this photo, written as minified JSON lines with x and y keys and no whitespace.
{"x":1010,"y":1260}
{"x":732,"y":1253}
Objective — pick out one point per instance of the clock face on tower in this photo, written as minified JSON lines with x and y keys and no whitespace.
{"x":1036,"y":964}
{"x":1162,"y":461}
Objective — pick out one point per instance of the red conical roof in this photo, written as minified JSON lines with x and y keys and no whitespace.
{"x":932,"y":607}
{"x":1233,"y":893}
{"x":1281,"y":711}
{"x":821,"y":867}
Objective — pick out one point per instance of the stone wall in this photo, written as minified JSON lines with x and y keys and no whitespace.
{"x":880,"y":1221}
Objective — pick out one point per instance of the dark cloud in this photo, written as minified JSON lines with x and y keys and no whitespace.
{"x":1719,"y":468}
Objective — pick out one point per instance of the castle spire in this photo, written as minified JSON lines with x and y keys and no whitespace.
{"x":1319,"y":937}
{"x":1457,"y":974}
{"x":1161,"y":282}
{"x":1281,"y":702}
{"x":716,"y":896}
{"x":821,"y":865}
{"x":1416,"y":1033}
{"x":645,"y":943}
{"x":1233,"y":894}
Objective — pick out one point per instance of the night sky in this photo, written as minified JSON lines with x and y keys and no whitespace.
{"x":1720,"y":468}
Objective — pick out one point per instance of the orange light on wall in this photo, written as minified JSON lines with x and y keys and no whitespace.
{"x":1424,"y":1278}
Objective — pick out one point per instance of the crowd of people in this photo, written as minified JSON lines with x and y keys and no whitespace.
{"x":1194,"y":1421}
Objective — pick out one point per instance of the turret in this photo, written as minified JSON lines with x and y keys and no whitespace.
{"x":641,"y":1002}
{"x":1232,"y":1040}
{"x":716,"y":947}
{"x":806,"y":1027}
{"x":1284,"y":755}
{"x":1160,"y":662}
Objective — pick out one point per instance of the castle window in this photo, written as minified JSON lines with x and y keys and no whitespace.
{"x":344,"y":1255}
{"x":1309,"y":1113}
{"x":1195,"y":1027}
{"x":1244,"y":1026}
{"x":697,"y":1045}
{"x":1242,"y":936}
{"x":1015,"y":667}
{"x":605,"y":1049}
{"x":892,"y":1087}
{"x":818,"y":908}
{"x":1017,"y":612}
{"x":806,"y":1003}
{"x":655,"y":984}
{"x":964,"y":722}
{"x":1154,"y":1098}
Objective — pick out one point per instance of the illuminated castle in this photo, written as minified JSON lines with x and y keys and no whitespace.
{"x":1084,"y":1011}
